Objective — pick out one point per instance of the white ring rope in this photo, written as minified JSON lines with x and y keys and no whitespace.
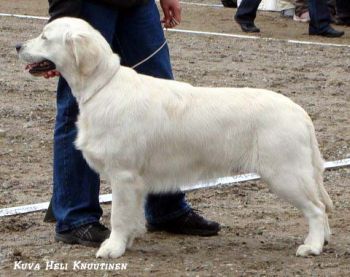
{"x":150,"y":56}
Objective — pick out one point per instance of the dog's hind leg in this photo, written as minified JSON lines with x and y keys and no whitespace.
{"x":297,"y":186}
{"x":127,"y":217}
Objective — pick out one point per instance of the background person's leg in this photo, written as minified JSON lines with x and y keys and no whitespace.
{"x":246,"y":11}
{"x":320,"y":20}
{"x":319,"y":15}
{"x":343,"y":12}
{"x":246,"y":14}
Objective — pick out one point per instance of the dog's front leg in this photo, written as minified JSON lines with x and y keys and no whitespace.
{"x":127,"y":216}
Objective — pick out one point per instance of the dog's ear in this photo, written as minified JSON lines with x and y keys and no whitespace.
{"x":86,"y":52}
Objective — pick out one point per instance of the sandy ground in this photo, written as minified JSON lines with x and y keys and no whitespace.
{"x":260,"y":233}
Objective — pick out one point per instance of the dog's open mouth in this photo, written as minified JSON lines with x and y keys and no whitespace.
{"x":40,"y":68}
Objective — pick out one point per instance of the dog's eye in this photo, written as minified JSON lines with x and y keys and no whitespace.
{"x":43,"y":37}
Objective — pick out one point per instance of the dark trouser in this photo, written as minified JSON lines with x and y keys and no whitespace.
{"x":246,"y":11}
{"x":319,"y":13}
{"x":343,"y":9}
{"x":134,"y":35}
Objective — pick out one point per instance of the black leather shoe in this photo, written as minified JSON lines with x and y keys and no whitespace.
{"x":329,"y":32}
{"x":190,"y":223}
{"x":92,"y":234}
{"x":248,"y":27}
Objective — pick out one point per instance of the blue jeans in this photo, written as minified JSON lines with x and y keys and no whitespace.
{"x":133,"y":34}
{"x":319,"y":14}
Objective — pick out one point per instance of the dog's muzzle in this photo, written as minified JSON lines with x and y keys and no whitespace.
{"x":37,"y":68}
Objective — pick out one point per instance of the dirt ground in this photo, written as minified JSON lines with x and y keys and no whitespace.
{"x":260,"y":233}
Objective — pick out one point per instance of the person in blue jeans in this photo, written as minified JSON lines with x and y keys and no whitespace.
{"x":134,"y":32}
{"x":320,"y":18}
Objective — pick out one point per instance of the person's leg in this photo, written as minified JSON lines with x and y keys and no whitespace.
{"x":343,"y":8}
{"x":76,"y":186}
{"x":246,"y":11}
{"x":320,"y":19}
{"x":246,"y":14}
{"x":139,"y":34}
{"x":319,"y":15}
{"x":331,"y":7}
{"x":343,"y":12}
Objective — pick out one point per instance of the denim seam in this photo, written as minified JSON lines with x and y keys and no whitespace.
{"x":65,"y":152}
{"x":66,"y":120}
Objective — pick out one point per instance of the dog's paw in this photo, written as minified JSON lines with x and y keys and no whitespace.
{"x":111,"y":248}
{"x":305,"y":250}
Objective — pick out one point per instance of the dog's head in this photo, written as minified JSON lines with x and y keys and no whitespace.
{"x":69,"y":45}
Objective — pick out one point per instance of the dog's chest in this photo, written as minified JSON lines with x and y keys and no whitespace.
{"x":87,"y":142}
{"x":82,"y":140}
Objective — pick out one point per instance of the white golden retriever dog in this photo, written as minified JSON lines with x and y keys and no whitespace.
{"x":145,"y":134}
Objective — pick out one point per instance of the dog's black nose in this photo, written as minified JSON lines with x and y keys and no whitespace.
{"x":18,"y":47}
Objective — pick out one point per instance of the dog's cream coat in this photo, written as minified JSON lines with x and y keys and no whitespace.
{"x":145,"y":134}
